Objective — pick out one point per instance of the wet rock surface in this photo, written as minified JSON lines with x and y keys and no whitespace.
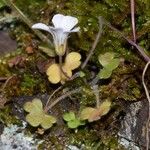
{"x":133,"y":126}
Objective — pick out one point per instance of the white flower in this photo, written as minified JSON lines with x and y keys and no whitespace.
{"x":63,"y":25}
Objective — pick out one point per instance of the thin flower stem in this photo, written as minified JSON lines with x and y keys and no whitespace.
{"x":63,"y":97}
{"x":148,"y":98}
{"x":140,"y":49}
{"x":55,"y":91}
{"x":132,"y":5}
{"x":94,"y":44}
{"x":62,"y":71}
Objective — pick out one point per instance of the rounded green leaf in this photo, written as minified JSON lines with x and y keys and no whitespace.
{"x":47,"y":121}
{"x":105,"y":59}
{"x":104,"y":107}
{"x":33,"y":119}
{"x":69,"y":116}
{"x":37,"y":105}
{"x":105,"y":73}
{"x":28,"y":106}
{"x":86,"y":112}
{"x":114,"y":63}
{"x":74,"y":123}
{"x":34,"y":106}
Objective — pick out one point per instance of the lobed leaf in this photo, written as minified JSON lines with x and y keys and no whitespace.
{"x":74,"y":123}
{"x":104,"y":73}
{"x":34,"y":106}
{"x":106,"y":58}
{"x":72,"y":60}
{"x":33,"y":119}
{"x":37,"y":115}
{"x":86,"y":112}
{"x":114,"y":63}
{"x":53,"y":73}
{"x":48,"y":121}
{"x":93,"y":114}
{"x":69,"y":116}
{"x":104,"y":107}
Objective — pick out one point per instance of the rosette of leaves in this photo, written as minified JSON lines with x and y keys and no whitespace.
{"x":54,"y":73}
{"x":109,"y":63}
{"x":92,"y":114}
{"x":72,"y":121}
{"x":37,"y":116}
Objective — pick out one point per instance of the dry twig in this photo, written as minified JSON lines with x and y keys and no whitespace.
{"x":132,"y":3}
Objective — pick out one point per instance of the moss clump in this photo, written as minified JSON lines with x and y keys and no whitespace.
{"x":90,"y":140}
{"x":6,"y":116}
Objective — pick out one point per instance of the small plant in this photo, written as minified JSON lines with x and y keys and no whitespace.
{"x":63,"y":71}
{"x":72,"y":121}
{"x":92,"y":114}
{"x":37,"y":116}
{"x":109,"y":63}
{"x":63,"y":26}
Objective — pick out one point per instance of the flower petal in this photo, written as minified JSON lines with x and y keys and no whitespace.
{"x":69,"y":22}
{"x":41,"y":26}
{"x":64,"y":22}
{"x":57,"y":20}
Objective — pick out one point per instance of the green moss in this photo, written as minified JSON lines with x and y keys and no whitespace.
{"x":7,"y":117}
{"x":132,"y":91}
{"x":90,"y":140}
{"x":31,"y":7}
